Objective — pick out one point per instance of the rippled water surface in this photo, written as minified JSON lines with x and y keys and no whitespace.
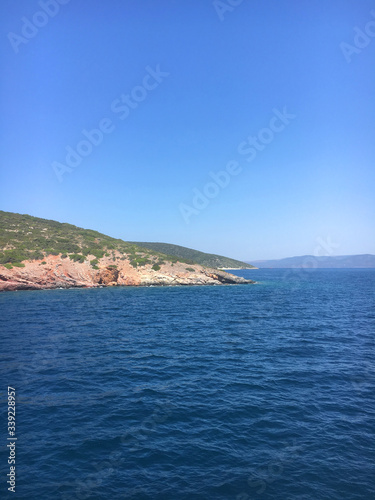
{"x":226,"y":392}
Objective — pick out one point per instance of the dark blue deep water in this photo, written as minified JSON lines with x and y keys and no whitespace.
{"x":226,"y":392}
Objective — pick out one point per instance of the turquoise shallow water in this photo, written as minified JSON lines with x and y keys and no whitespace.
{"x":232,"y":392}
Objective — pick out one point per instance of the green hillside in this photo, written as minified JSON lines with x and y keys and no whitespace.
{"x":23,"y":237}
{"x":204,"y":259}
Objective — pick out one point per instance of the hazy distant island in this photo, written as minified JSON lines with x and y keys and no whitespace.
{"x":364,"y":261}
{"x":38,"y":253}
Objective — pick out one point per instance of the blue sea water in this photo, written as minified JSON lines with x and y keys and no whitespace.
{"x":219,"y":392}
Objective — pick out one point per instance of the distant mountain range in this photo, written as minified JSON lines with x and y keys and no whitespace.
{"x":305,"y":261}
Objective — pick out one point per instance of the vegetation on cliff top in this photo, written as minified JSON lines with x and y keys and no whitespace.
{"x":23,"y":237}
{"x":204,"y":259}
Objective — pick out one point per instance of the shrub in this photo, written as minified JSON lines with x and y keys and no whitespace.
{"x":94,"y":262}
{"x":77,"y":257}
{"x":50,"y":251}
{"x":96,"y":253}
{"x":70,"y":248}
{"x":18,"y":264}
{"x":190,"y":269}
{"x":8,"y":266}
{"x":44,"y":262}
{"x":64,"y":256}
{"x":142,"y":261}
{"x":13,"y":256}
{"x":37,"y":255}
{"x":156,"y":267}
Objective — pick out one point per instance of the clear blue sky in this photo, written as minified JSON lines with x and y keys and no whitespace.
{"x":181,"y":87}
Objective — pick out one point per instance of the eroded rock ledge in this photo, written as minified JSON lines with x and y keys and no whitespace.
{"x":57,"y":272}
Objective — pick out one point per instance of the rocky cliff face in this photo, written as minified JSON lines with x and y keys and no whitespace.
{"x":57,"y":272}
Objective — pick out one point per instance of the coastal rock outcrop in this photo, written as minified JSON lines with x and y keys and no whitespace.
{"x":58,"y":272}
{"x":108,"y":276}
{"x":40,"y":254}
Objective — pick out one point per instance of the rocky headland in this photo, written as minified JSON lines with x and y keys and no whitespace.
{"x":57,"y":272}
{"x":40,"y":254}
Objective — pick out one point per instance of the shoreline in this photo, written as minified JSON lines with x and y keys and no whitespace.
{"x":56,"y":272}
{"x":30,"y":288}
{"x":237,"y":268}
